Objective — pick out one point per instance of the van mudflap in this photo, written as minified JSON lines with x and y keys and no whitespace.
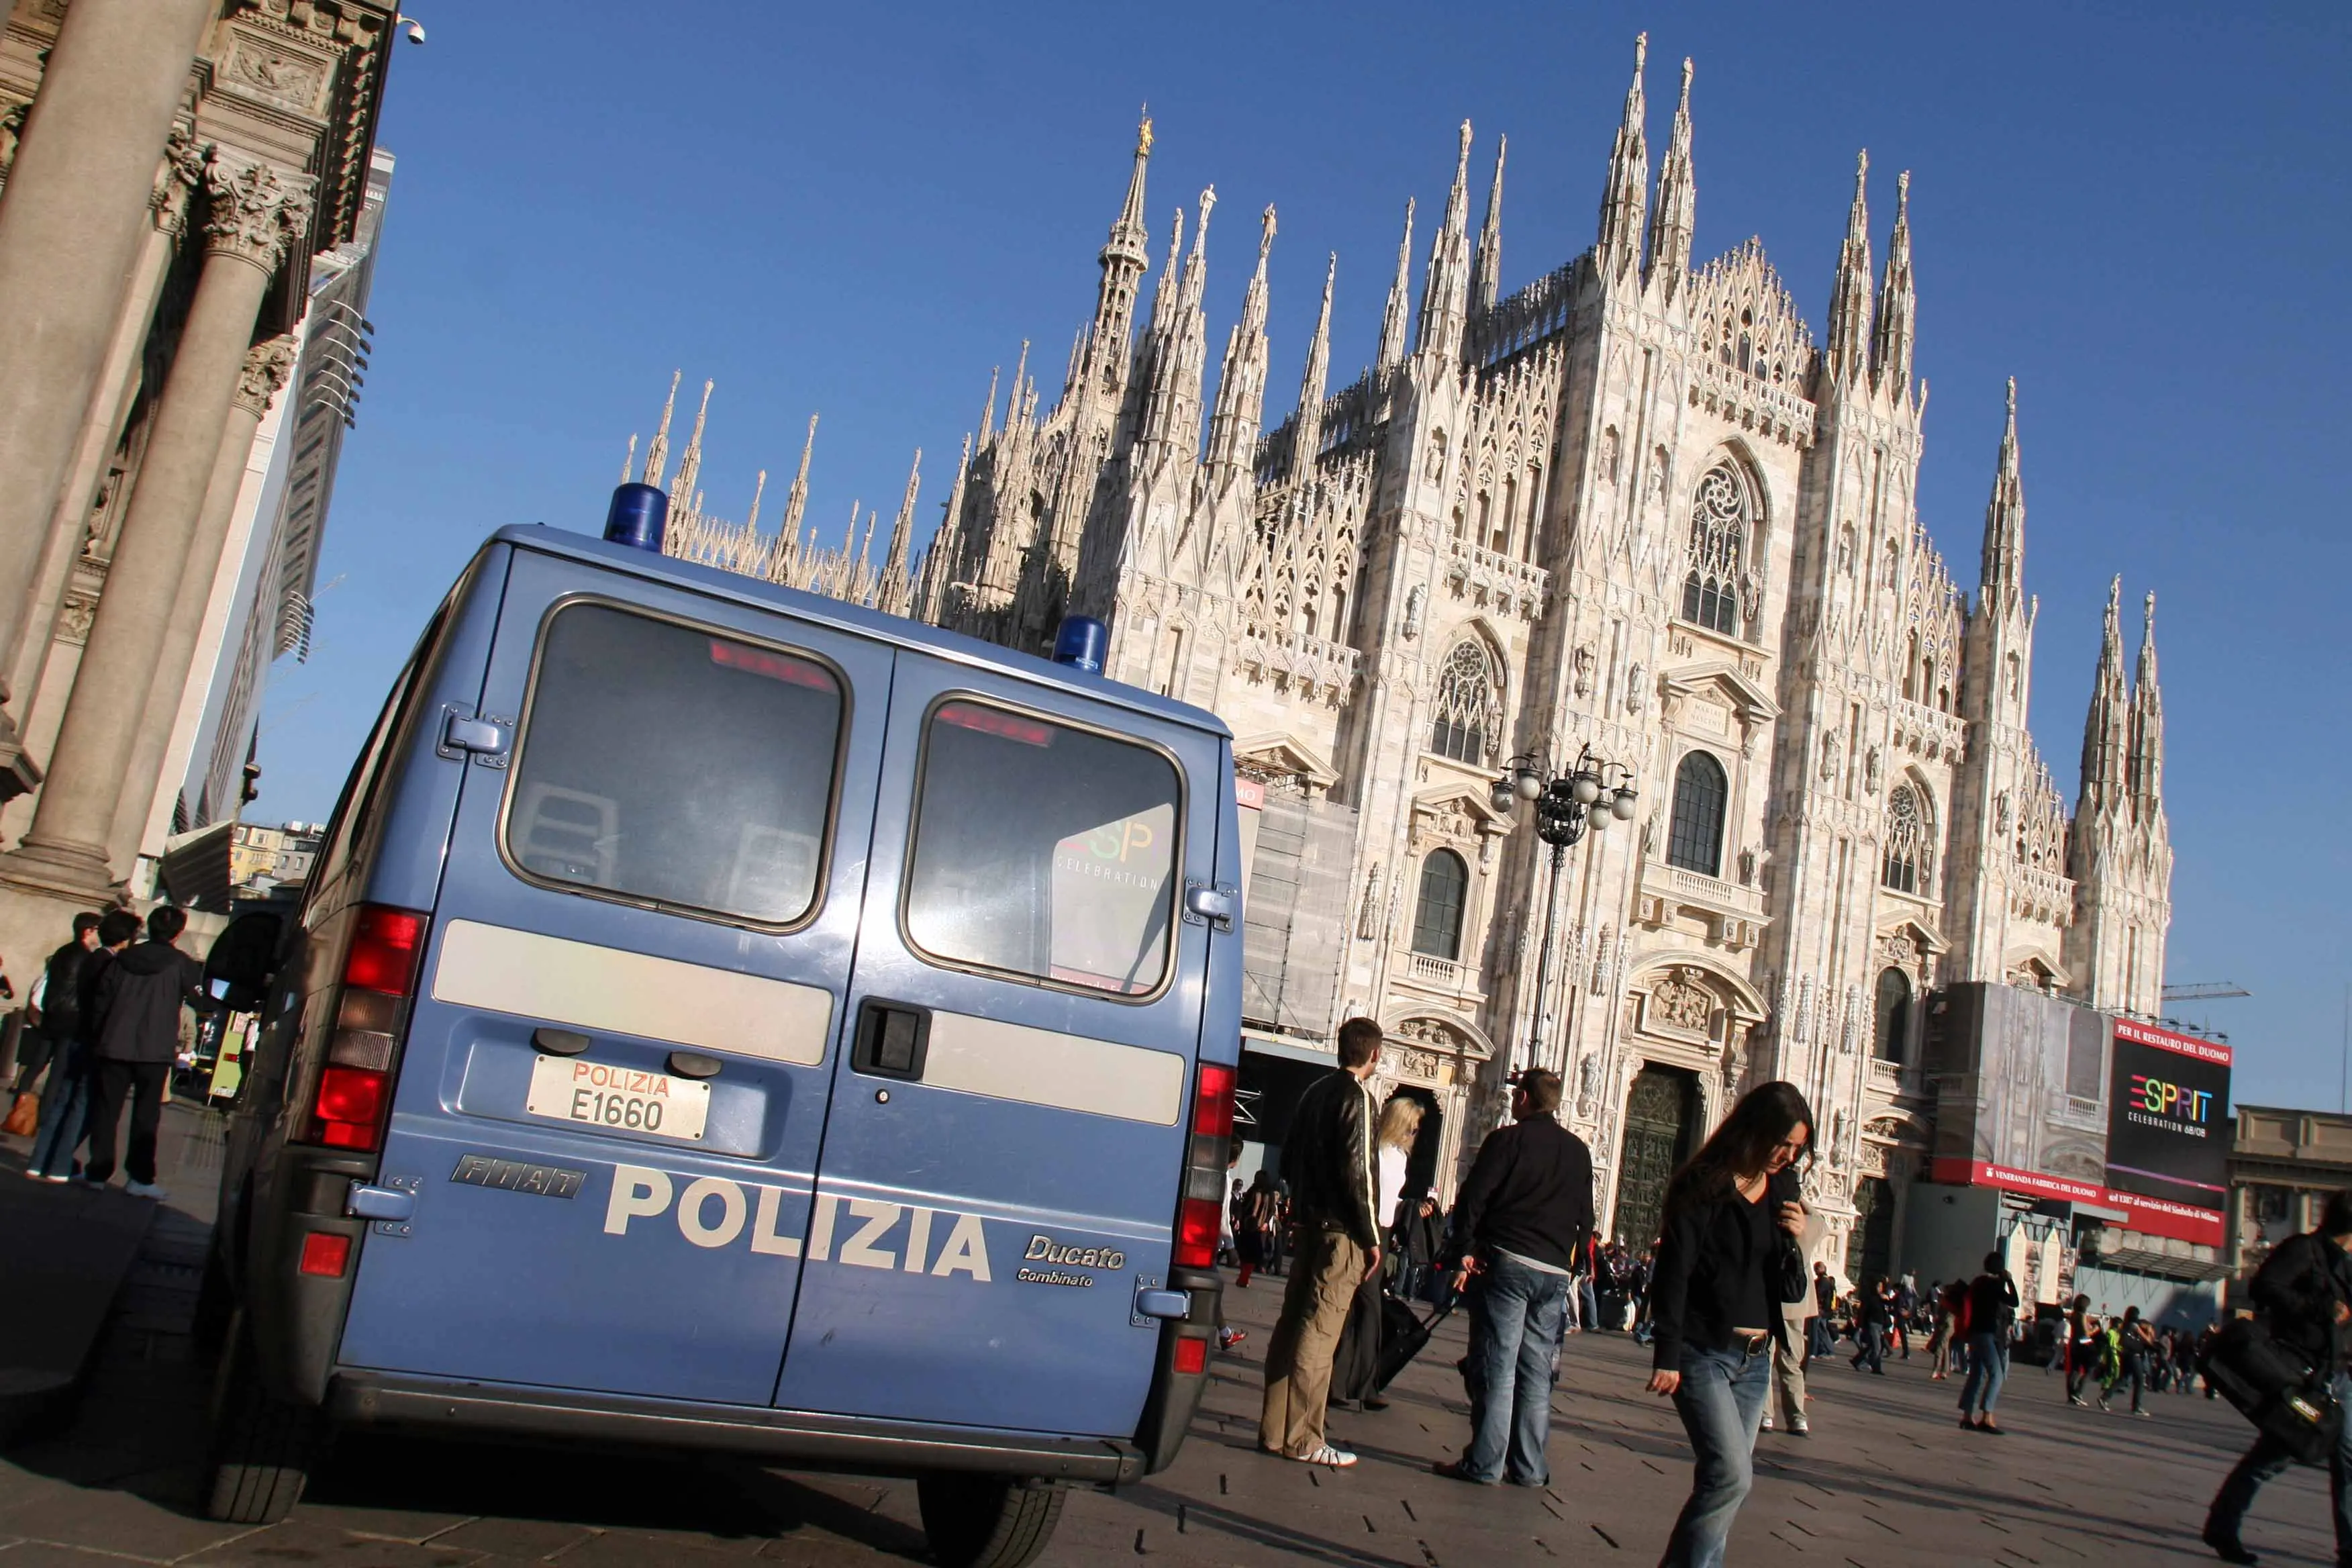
{"x":793,"y":1437}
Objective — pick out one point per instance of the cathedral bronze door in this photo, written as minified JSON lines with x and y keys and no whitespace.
{"x":1661,"y":1127}
{"x":1874,"y":1225}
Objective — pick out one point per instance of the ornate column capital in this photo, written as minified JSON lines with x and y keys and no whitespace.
{"x":256,"y":211}
{"x":267,"y":364}
{"x":176,"y":179}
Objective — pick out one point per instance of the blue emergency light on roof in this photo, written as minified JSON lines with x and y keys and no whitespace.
{"x":1081,"y":643}
{"x":636,"y":517}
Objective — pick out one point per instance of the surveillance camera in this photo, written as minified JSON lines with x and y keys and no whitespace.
{"x":416,"y":31}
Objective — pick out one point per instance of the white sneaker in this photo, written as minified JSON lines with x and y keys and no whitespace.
{"x":144,"y":1189}
{"x":1337,"y":1458}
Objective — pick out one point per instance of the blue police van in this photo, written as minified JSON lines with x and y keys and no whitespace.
{"x":724,"y":1019}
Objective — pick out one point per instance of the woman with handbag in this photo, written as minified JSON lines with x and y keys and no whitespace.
{"x":1726,"y":1263}
{"x":2304,"y":1294}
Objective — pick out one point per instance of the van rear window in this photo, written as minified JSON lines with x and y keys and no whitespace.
{"x":1043,"y":849}
{"x":662,"y":763}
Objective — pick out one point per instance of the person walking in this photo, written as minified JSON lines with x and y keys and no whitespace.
{"x":1253,"y":1214}
{"x":2303,"y":1293}
{"x":1328,"y":1163}
{"x":1876,"y":1312}
{"x":137,"y":1036}
{"x":1727,"y":1260}
{"x":1991,"y":1309}
{"x":2135,"y":1356}
{"x":1355,"y":1364}
{"x":1824,"y":1309}
{"x":65,"y":1105}
{"x":1784,"y":1407}
{"x":1523,"y":1217}
{"x":2081,"y":1351}
{"x":1905,"y":1305}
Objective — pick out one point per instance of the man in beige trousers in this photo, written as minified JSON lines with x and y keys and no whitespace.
{"x":1327,"y":1160}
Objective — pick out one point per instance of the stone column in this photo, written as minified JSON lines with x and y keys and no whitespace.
{"x":103,"y":421}
{"x":255,"y":213}
{"x":267,"y":366}
{"x":70,"y":228}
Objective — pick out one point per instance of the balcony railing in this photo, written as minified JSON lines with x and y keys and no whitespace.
{"x":1485,"y":577}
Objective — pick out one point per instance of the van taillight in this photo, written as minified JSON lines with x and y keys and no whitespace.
{"x":1200,"y":1216}
{"x":355,"y":1082}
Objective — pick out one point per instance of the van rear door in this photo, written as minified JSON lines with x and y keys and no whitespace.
{"x":614,"y":1080}
{"x":1002,"y":1166}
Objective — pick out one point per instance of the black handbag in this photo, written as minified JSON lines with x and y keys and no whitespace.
{"x":2271,"y":1386}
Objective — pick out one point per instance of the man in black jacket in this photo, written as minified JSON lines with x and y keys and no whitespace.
{"x":1327,"y":1160}
{"x":137,"y":1027}
{"x":57,"y":1022}
{"x":1523,"y":1218}
{"x":2304,"y":1292}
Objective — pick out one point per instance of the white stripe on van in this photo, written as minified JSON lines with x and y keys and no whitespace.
{"x":1012,"y":1061}
{"x":622,"y":992}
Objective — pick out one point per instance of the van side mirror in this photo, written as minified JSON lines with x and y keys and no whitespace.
{"x":244,"y":958}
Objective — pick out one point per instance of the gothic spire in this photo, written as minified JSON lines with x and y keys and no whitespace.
{"x":939,"y":561}
{"x":1127,"y":238}
{"x":1486,"y":267}
{"x":2145,"y":775}
{"x":1890,"y":348}
{"x":657,"y":452}
{"x":1446,"y":292}
{"x":2002,"y":582}
{"x":1620,"y":245}
{"x":759,"y":488}
{"x":2106,"y":731}
{"x":1306,"y":426}
{"x":1241,"y":384}
{"x":897,"y":588}
{"x":1670,"y":226}
{"x":1849,"y":338}
{"x":988,"y":409}
{"x":1393,"y":321}
{"x":629,"y":458}
{"x":1172,"y":402}
{"x":689,"y":466}
{"x":796,"y":498}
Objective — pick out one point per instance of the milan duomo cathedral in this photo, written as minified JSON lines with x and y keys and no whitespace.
{"x":1634,"y":506}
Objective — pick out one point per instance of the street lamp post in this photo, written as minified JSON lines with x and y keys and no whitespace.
{"x":1587,"y":795}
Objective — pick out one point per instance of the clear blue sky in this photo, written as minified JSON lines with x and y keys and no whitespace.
{"x":2141,"y":212}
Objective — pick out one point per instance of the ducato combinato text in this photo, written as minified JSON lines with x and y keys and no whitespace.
{"x":723,"y":1018}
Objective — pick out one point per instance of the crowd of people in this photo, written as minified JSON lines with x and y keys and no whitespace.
{"x":1734,"y":1317}
{"x":102,"y":1033}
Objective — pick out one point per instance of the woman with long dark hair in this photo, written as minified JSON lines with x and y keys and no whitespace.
{"x":1727,"y":1260}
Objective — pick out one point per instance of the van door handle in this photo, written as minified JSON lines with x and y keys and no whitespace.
{"x":369,"y":1202}
{"x":1216,"y":906}
{"x":894,"y":1039}
{"x":1150,"y":1303}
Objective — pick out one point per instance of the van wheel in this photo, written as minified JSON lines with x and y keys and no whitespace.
{"x":262,"y":1447}
{"x":987,"y":1522}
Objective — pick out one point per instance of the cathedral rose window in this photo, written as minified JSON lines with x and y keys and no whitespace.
{"x":1719,"y":538}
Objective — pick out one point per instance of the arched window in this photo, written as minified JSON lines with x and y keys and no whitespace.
{"x":1909,"y":866}
{"x":1718,"y":540}
{"x":1893,"y":1014}
{"x":1465,"y":706}
{"x":1437,"y":921}
{"x":1695,"y":838}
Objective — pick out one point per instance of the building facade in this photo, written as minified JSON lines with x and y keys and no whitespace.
{"x":171,"y":168}
{"x":1636,"y":505}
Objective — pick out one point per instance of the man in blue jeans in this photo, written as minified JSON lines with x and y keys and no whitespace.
{"x":1525,"y":1215}
{"x":1992,"y":1309}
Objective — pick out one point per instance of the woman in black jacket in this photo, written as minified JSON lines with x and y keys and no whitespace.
{"x":1727,"y":1262}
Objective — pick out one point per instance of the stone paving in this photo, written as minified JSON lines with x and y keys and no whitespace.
{"x":1888,"y":1479}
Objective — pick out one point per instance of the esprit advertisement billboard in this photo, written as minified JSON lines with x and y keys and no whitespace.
{"x":2168,"y":1116}
{"x":2038,"y":1095}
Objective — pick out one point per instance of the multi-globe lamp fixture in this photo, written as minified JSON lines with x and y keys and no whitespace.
{"x":1587,"y":795}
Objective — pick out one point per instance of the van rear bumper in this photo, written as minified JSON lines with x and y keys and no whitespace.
{"x":781,"y":1437}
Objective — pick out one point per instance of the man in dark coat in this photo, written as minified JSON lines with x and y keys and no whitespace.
{"x":1327,"y":1160}
{"x":137,"y":1027}
{"x":1524,"y":1217}
{"x":65,"y":1107}
{"x":2304,"y":1292}
{"x":58,"y":1020}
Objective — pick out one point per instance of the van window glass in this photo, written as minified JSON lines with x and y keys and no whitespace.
{"x":663,"y":763}
{"x":1043,"y":849}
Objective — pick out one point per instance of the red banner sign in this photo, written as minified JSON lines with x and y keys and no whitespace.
{"x":2150,"y":1217}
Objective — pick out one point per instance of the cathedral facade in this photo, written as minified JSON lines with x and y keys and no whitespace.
{"x":1637,"y":506}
